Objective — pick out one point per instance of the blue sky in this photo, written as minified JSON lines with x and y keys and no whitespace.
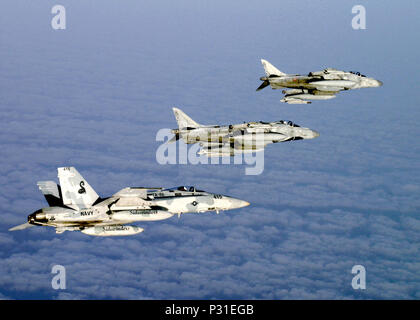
{"x":94,"y":95}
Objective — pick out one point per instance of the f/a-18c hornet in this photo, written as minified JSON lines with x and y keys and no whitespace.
{"x":75,"y":206}
{"x":219,"y":141}
{"x":319,"y":85}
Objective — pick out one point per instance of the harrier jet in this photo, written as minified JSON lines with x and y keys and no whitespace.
{"x":75,"y":206}
{"x":219,"y":141}
{"x":319,"y":85}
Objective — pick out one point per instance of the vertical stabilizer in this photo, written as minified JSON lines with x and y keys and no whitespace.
{"x":51,"y":192}
{"x":76,"y":192}
{"x":183,"y":120}
{"x":270,"y":69}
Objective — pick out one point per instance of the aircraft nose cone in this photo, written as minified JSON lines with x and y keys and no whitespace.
{"x":237,"y":203}
{"x":310,"y":134}
{"x":374,"y":83}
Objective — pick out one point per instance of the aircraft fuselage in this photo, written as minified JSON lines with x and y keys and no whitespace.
{"x":167,"y":203}
{"x":251,"y":133}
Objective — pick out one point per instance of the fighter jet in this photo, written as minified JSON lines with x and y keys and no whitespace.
{"x":219,"y":141}
{"x":319,"y":85}
{"x":75,"y":206}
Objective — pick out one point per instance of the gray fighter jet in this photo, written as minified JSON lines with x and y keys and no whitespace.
{"x":319,"y":85}
{"x":219,"y":141}
{"x":75,"y":206}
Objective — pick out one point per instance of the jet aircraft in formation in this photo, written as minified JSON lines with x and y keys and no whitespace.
{"x":218,"y":141}
{"x":319,"y":85}
{"x":75,"y":206}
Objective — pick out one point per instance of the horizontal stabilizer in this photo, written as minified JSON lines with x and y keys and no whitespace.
{"x":263,"y":85}
{"x":22,"y":227}
{"x":175,"y":138}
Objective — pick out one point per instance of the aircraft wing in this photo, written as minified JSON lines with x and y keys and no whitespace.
{"x":259,"y":147}
{"x":228,"y":149}
{"x":211,"y":145}
{"x":328,"y":89}
{"x":127,"y":203}
{"x":132,"y":192}
{"x":274,"y":85}
{"x":129,"y":198}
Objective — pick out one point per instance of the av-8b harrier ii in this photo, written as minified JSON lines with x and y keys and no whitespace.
{"x":219,"y":141}
{"x":75,"y":206}
{"x":319,"y":85}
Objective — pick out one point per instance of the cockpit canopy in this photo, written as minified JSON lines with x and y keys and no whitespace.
{"x":184,"y":189}
{"x":357,"y":74}
{"x":289,"y":123}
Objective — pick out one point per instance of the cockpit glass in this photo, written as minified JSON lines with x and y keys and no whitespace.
{"x":357,"y":73}
{"x":185,"y":189}
{"x":289,"y":123}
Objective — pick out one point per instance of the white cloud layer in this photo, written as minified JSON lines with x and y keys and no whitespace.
{"x":94,"y":96}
